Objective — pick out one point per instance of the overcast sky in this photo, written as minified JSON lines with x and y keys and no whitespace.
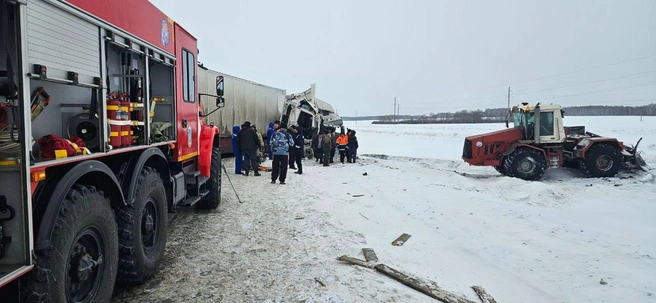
{"x":432,"y":55}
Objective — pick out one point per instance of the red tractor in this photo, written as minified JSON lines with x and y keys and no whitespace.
{"x":539,"y":140}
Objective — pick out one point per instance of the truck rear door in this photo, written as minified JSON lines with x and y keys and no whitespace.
{"x":187,"y":94}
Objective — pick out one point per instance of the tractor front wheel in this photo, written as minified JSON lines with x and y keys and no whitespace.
{"x":601,"y":160}
{"x":526,"y":164}
{"x":502,"y":168}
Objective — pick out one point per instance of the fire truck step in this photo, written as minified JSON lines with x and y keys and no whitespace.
{"x":202,"y":180}
{"x":192,"y":175}
{"x":191,"y":200}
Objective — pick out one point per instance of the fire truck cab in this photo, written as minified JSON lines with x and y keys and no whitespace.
{"x":102,"y":135}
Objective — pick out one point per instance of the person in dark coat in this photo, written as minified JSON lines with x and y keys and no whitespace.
{"x":315,"y":146}
{"x":299,"y":143}
{"x":270,"y":131}
{"x":352,"y":147}
{"x":235,"y":150}
{"x":248,"y":144}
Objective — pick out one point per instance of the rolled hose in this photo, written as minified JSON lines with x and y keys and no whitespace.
{"x":7,"y":146}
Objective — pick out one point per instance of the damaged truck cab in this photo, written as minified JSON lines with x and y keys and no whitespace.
{"x":311,"y":114}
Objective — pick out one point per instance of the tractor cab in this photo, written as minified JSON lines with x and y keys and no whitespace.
{"x":541,"y":124}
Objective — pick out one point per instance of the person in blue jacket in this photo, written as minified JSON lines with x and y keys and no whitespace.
{"x":270,"y":131}
{"x":235,"y":150}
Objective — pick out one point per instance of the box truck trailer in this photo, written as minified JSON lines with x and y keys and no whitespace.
{"x":245,"y":101}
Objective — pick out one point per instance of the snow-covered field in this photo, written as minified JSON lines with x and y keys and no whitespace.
{"x":546,"y":241}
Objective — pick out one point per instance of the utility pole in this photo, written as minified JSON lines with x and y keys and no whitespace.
{"x":356,"y":117}
{"x":398,"y":110}
{"x":509,"y":97}
{"x":394,"y":115}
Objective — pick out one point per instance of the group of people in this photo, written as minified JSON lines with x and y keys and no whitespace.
{"x":286,"y":148}
{"x":327,"y":142}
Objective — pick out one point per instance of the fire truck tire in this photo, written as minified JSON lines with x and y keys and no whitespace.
{"x":601,"y":160}
{"x":142,"y":229}
{"x":80,"y":266}
{"x":213,"y":198}
{"x":525,"y":163}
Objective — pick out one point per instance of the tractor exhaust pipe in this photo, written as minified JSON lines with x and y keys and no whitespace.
{"x":536,"y":128}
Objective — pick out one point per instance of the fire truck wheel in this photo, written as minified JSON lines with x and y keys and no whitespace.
{"x":213,"y":198}
{"x":80,"y":266}
{"x":601,"y":160}
{"x":525,"y":163}
{"x":142,"y":229}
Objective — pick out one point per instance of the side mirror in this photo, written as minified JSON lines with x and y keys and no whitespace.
{"x":220,"y":102}
{"x":219,"y":87}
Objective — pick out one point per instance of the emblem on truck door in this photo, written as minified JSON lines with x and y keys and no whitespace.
{"x":189,"y":136}
{"x":166,"y":32}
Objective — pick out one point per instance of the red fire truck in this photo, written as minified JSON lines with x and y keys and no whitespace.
{"x":102,"y":136}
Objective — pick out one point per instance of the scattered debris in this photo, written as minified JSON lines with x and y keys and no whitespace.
{"x":365,"y":174}
{"x":369,"y":255}
{"x":357,"y":196}
{"x":322,"y":283}
{"x":430,"y":289}
{"x":363,"y":216}
{"x":401,"y":240}
{"x":602,"y":282}
{"x":483,"y":295}
{"x":299,"y":217}
{"x":355,"y":261}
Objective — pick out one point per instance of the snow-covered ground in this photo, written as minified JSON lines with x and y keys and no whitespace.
{"x":546,"y":241}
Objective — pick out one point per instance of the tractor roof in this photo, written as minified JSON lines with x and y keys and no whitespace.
{"x":543,"y":107}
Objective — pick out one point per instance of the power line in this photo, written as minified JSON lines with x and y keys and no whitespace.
{"x":557,"y":75}
{"x":588,"y":82}
{"x":592,"y":92}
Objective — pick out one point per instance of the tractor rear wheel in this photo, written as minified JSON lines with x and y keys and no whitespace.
{"x":601,"y":160}
{"x":525,"y":163}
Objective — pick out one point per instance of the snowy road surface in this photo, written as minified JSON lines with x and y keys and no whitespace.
{"x":547,"y":241}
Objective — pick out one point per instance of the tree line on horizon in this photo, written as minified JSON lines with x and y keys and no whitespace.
{"x":499,"y":114}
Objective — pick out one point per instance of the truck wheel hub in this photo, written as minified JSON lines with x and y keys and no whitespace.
{"x":149,"y":219}
{"x":525,"y":165}
{"x":83,"y":270}
{"x":604,"y":163}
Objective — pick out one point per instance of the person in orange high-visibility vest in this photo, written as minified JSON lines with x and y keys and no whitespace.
{"x":342,"y":146}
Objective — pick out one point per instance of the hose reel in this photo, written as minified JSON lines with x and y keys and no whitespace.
{"x":85,"y":128}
